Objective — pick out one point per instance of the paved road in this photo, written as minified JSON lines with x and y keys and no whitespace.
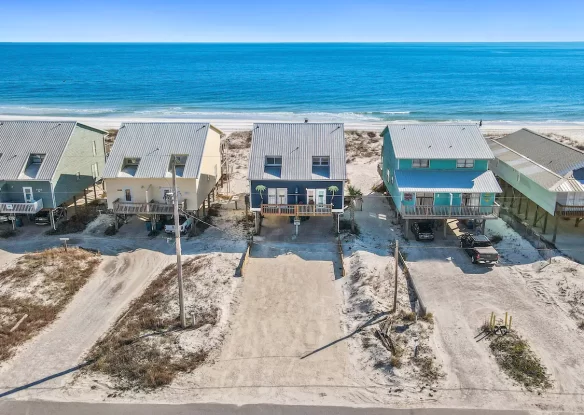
{"x":61,"y":408}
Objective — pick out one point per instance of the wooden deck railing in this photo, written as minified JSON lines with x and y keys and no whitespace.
{"x":297,"y":210}
{"x":152,"y":208}
{"x":444,"y":212}
{"x":570,"y":211}
{"x":20,"y":208}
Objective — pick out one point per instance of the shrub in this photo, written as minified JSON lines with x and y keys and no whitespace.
{"x":7,"y":233}
{"x":516,"y":358}
{"x":428,"y":317}
{"x":354,"y":192}
{"x":395,"y":362}
{"x":371,"y":134}
{"x":378,"y":188}
{"x":496,"y":238}
{"x":345,"y":225}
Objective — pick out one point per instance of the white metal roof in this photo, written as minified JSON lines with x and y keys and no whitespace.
{"x":541,"y":175}
{"x":297,"y":143}
{"x":154,"y":143}
{"x":20,"y":139}
{"x":447,"y":181}
{"x":438,"y":141}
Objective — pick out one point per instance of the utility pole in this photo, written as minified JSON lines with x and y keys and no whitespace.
{"x":395,"y":270}
{"x":181,"y":300}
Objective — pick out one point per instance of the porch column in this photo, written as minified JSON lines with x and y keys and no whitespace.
{"x":52,"y":218}
{"x":445,"y":226}
{"x":116,"y":225}
{"x":483,"y":225}
{"x":257,"y":222}
{"x":545,"y":222}
{"x":526,"y":209}
{"x":556,"y":228}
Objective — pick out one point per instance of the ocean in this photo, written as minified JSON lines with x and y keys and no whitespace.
{"x":535,"y":82}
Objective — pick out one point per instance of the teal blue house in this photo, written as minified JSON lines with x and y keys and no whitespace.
{"x":438,"y":171}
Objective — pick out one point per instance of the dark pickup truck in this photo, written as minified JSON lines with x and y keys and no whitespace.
{"x":479,"y":248}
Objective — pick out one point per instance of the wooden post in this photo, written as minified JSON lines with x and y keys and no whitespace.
{"x":94,"y":191}
{"x":520,"y":202}
{"x":445,"y":226}
{"x":395,"y":272}
{"x":209,"y":200}
{"x":407,"y":232}
{"x":545,"y":222}
{"x":536,"y":212}
{"x":556,"y":229}
{"x":526,"y":209}
{"x":512,"y":197}
{"x":181,"y":303}
{"x":85,"y":196}
{"x":75,"y":202}
{"x":116,"y":225}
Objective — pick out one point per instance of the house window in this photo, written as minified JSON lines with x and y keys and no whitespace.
{"x":94,"y":149}
{"x":180,"y":161}
{"x":464,"y":163}
{"x":420,"y":163}
{"x":273,"y":161}
{"x":94,"y":170}
{"x":320,"y":161}
{"x":78,"y":175}
{"x":424,"y":199}
{"x":277,"y":196}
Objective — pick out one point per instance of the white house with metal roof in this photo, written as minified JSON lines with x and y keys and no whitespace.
{"x":297,"y":169}
{"x":45,"y":164}
{"x":138,"y":172}
{"x":541,"y":177}
{"x":438,"y":171}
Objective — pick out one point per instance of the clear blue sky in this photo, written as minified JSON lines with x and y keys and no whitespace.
{"x":291,"y":21}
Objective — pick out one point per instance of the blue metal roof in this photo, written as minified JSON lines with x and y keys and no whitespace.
{"x":447,"y":181}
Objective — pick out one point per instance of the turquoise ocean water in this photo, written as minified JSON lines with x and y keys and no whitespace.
{"x":370,"y":82}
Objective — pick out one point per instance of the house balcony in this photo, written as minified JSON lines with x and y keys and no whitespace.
{"x":569,"y":211}
{"x":297,"y":210}
{"x":21,"y":208}
{"x":445,"y":212}
{"x":151,"y":208}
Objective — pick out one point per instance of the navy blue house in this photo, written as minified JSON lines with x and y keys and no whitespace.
{"x":297,"y":169}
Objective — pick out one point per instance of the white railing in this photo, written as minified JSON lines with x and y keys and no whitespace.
{"x":27,"y":208}
{"x":461,"y":212}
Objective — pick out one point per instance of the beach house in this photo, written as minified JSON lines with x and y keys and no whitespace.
{"x":438,"y":171}
{"x":43,"y":165}
{"x":297,"y":170}
{"x":541,"y":178}
{"x":139,"y":169}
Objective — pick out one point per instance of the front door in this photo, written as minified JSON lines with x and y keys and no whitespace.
{"x":321,"y":196}
{"x":272,"y":196}
{"x":471,"y":199}
{"x":28,"y":198}
{"x":127,"y":195}
{"x":167,"y":195}
{"x":282,"y":195}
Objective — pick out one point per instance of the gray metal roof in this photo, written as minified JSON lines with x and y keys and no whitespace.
{"x":297,"y":143}
{"x":438,"y":141}
{"x":539,"y":174}
{"x":447,"y":181}
{"x":154,"y":143}
{"x":555,"y":156}
{"x":20,"y":139}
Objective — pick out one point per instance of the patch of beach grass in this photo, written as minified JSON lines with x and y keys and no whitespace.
{"x":39,"y":285}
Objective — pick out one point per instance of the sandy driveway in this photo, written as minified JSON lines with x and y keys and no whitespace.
{"x":461,"y":295}
{"x":289,"y":307}
{"x":91,"y":312}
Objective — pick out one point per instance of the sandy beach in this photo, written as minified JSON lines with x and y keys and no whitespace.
{"x":573,"y":131}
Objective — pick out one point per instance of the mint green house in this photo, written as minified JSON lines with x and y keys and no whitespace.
{"x":44,"y":164}
{"x":438,"y":171}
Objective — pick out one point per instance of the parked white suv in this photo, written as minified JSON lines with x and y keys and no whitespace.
{"x":185,"y":225}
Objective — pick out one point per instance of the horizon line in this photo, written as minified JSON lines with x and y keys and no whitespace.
{"x":294,"y":42}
